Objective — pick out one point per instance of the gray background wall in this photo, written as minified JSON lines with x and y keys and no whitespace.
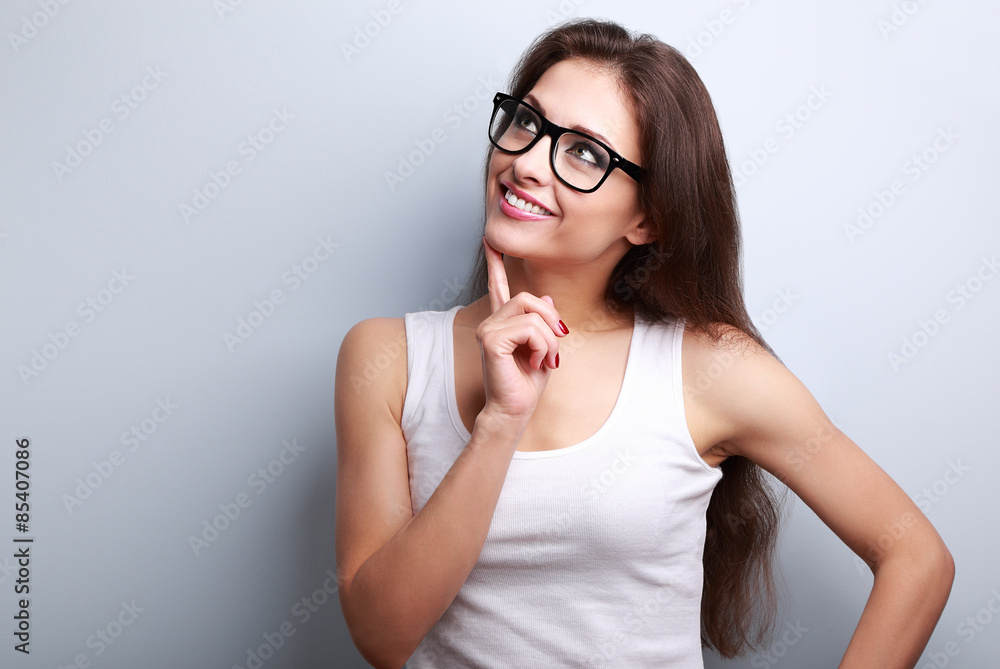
{"x":152,"y":411}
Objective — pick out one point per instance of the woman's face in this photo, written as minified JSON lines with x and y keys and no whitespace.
{"x":577,"y":228}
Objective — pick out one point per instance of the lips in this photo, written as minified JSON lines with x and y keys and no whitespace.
{"x":522,"y":202}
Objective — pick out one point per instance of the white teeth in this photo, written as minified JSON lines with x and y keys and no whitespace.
{"x":524,"y":206}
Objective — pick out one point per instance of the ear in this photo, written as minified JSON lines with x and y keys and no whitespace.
{"x":642,"y":232}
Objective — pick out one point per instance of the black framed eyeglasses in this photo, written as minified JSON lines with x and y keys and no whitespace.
{"x":578,"y":160}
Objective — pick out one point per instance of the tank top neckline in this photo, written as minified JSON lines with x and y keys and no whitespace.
{"x":619,"y":407}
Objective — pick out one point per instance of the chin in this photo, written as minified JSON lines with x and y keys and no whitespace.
{"x":500,"y":235}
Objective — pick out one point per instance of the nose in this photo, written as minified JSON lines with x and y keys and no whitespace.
{"x":535,"y":165}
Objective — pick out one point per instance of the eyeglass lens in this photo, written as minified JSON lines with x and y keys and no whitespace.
{"x":578,"y":160}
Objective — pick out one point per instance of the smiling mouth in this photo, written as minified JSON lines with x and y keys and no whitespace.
{"x":526,"y":207}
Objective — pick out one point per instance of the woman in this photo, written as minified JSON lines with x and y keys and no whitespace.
{"x":535,"y":482}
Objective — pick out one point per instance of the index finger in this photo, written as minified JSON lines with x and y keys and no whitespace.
{"x":497,"y":283}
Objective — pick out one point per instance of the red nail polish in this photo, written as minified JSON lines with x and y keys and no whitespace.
{"x":562,"y":326}
{"x":557,"y":361}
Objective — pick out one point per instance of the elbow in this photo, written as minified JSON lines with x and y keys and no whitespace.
{"x":941,"y":575}
{"x":378,"y":655}
{"x":939,"y":565}
{"x":379,"y":658}
{"x":929,"y":565}
{"x":947,"y":568}
{"x":376,"y":640}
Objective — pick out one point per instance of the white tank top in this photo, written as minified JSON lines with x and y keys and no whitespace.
{"x":594,"y":554}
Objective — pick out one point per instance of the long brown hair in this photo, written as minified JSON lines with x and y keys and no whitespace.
{"x":691,"y":271}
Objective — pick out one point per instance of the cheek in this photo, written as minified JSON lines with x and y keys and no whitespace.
{"x":499,"y":164}
{"x":611,"y":214}
{"x":493,"y":173}
{"x":613,"y":205}
{"x":492,"y":185}
{"x":624,"y":199}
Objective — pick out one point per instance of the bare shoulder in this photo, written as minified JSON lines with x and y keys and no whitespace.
{"x":727,"y":377}
{"x":720,"y":346}
{"x":372,"y":363}
{"x":373,"y":496}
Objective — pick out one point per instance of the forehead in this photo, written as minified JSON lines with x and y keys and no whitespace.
{"x":579,"y":94}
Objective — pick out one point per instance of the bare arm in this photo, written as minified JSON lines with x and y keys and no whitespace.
{"x":398,"y":572}
{"x":769,"y":417}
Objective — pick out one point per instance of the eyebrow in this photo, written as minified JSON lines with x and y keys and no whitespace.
{"x":582,"y":128}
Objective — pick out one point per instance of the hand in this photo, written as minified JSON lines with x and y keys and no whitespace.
{"x":518,"y":343}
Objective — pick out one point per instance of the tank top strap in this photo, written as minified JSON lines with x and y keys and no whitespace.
{"x":658,"y":400}
{"x":427,"y":368}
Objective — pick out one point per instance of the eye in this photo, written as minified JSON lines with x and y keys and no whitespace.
{"x":526,"y":121}
{"x":588,"y":153}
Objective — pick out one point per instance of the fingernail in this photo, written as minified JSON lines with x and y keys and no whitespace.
{"x":562,"y":326}
{"x":557,"y":361}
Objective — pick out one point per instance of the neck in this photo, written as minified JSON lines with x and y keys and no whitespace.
{"x":577,"y":293}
